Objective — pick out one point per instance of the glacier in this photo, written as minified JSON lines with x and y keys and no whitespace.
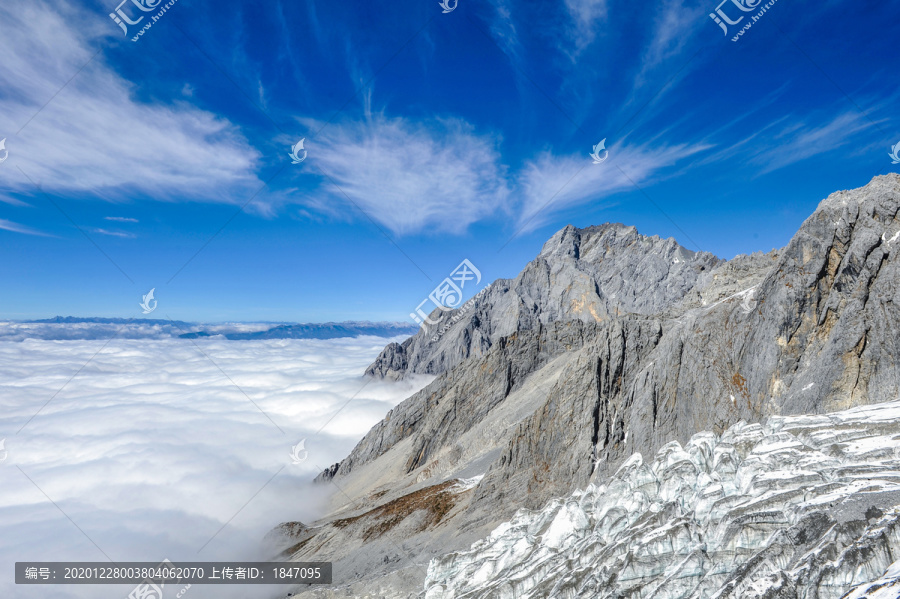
{"x":801,"y":507}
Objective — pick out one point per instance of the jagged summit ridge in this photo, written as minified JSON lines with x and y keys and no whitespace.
{"x":590,"y":275}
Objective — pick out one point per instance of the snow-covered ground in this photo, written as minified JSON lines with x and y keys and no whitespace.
{"x":886,"y":587}
{"x":801,"y":507}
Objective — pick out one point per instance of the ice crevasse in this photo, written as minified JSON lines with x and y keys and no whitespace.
{"x":801,"y":507}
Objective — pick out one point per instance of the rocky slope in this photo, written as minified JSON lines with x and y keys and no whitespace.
{"x":608,"y":343}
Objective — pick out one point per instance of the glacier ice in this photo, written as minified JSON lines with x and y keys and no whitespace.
{"x":886,"y":587}
{"x":802,"y":507}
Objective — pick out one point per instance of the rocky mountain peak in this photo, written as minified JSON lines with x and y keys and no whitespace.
{"x":590,"y":275}
{"x":610,"y":344}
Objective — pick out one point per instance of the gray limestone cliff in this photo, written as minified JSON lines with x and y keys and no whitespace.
{"x":607,"y":344}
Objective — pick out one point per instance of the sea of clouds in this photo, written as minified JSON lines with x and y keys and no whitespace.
{"x":152,"y":449}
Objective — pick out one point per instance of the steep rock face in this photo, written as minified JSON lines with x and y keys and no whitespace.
{"x":556,"y":377}
{"x":800,"y":507}
{"x":550,"y":452}
{"x":818,"y":333}
{"x":438,"y":415}
{"x":815,"y":334}
{"x":828,"y":298}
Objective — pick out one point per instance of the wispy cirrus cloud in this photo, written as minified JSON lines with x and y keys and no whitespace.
{"x":114,"y":233}
{"x":95,"y":135}
{"x":585,"y":16}
{"x":7,"y":225}
{"x":409,"y":176}
{"x":788,"y":139}
{"x":674,"y":27}
{"x":504,"y":30}
{"x":552,"y":183}
{"x":413,"y":177}
{"x":801,"y":140}
{"x":121,"y":219}
{"x":575,"y":23}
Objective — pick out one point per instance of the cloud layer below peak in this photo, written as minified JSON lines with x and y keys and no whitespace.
{"x":151,"y":449}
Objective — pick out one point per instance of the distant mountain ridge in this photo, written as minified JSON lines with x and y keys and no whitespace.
{"x":102,"y":320}
{"x":74,"y":328}
{"x":324,"y":330}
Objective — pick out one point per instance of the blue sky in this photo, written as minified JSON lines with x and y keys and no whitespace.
{"x":431,"y":138}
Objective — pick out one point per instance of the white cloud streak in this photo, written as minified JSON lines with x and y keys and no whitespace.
{"x":552,"y":183}
{"x":114,"y":233}
{"x":504,"y":30}
{"x":7,"y":225}
{"x":788,"y":139}
{"x":674,"y":27}
{"x":410,"y":176}
{"x":585,"y":16}
{"x":95,"y":136}
{"x":800,"y":140}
